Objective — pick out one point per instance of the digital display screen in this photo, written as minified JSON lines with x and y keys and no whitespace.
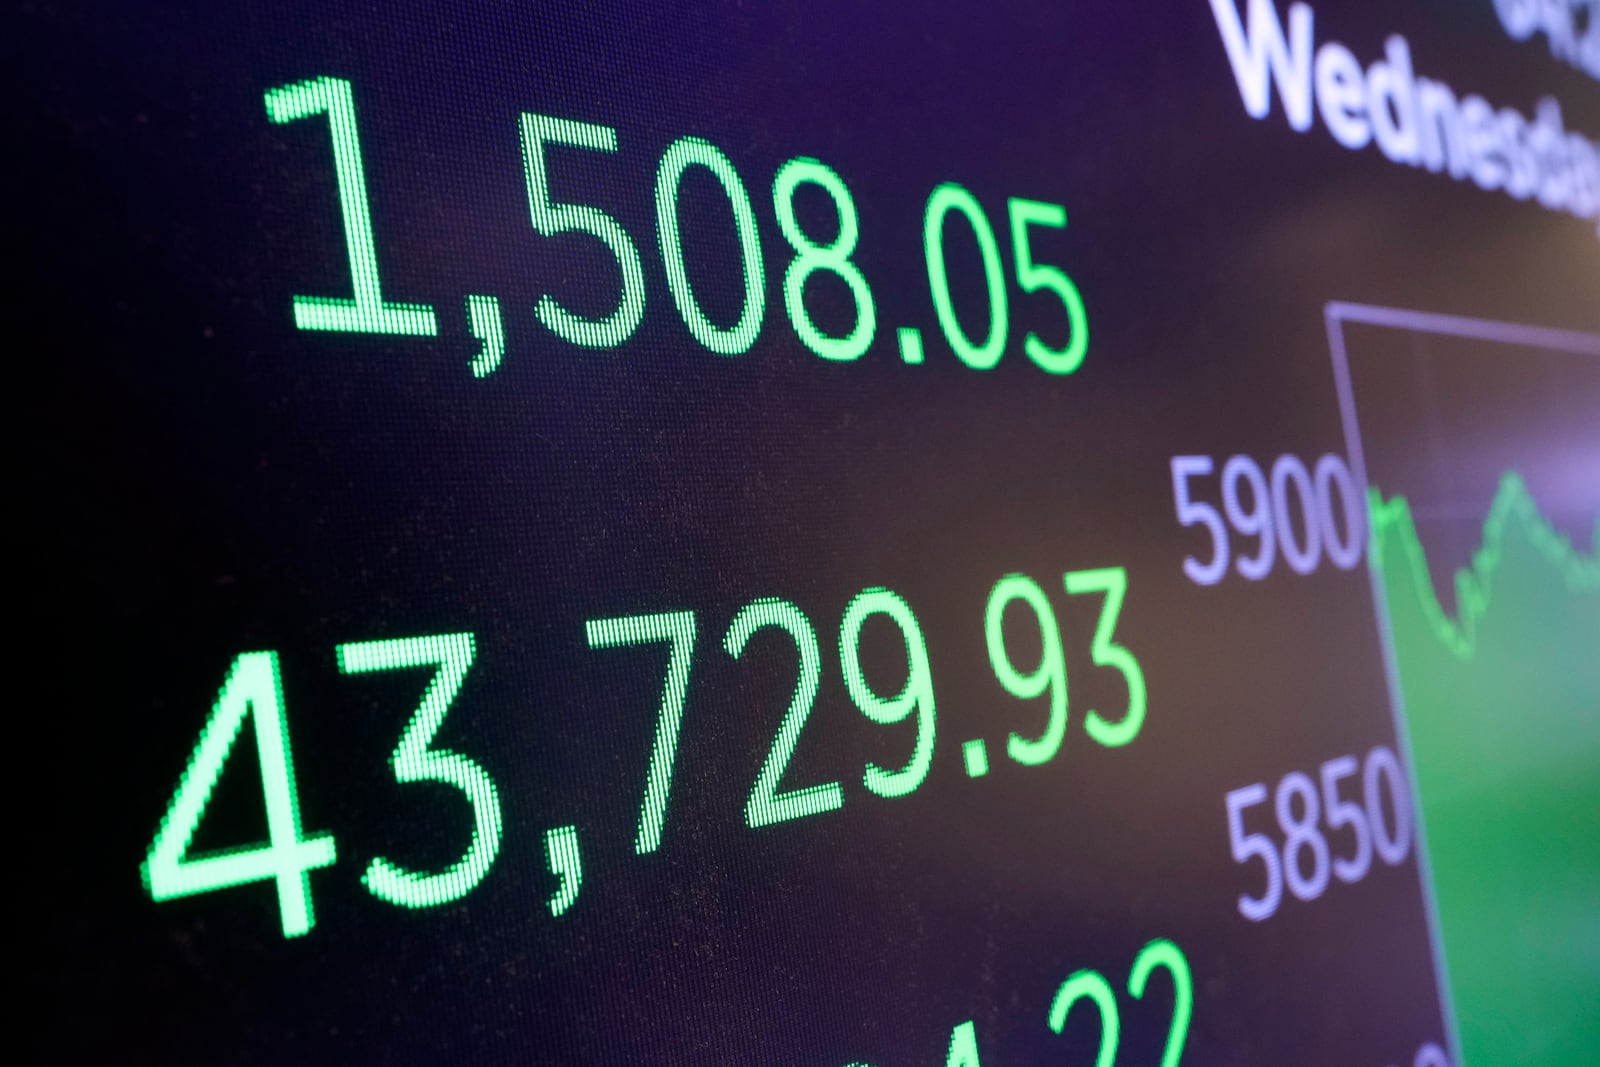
{"x":909,"y":535}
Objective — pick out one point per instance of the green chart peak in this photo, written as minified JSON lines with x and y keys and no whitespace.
{"x":1395,"y":542}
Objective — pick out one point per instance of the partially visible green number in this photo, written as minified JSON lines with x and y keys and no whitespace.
{"x":683,"y":154}
{"x":1092,"y":986}
{"x":766,"y":805}
{"x":1050,"y":676}
{"x":979,"y":355}
{"x":915,"y":697}
{"x":811,"y":257}
{"x":677,"y":628}
{"x":1035,"y":276}
{"x":253,"y":684}
{"x":414,"y":761}
{"x":1113,"y":582}
{"x":550,"y":218}
{"x":367,"y":313}
{"x":963,"y":1046}
{"x":1163,"y":953}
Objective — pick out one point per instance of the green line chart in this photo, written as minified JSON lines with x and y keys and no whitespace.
{"x":1512,"y":505}
{"x":1502,"y":708}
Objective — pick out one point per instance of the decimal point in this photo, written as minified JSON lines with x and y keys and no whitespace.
{"x":910,"y":344}
{"x":976,"y":757}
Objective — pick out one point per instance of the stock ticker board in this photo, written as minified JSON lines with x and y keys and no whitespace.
{"x":818,"y":534}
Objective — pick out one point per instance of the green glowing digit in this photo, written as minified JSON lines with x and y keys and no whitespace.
{"x":483,"y":315}
{"x":917,"y":695}
{"x":550,"y":218}
{"x":1163,"y":953}
{"x":1051,"y":674}
{"x":766,"y":805}
{"x":677,"y":628}
{"x":1093,"y":985}
{"x":414,"y":761}
{"x":253,"y":684}
{"x":945,"y":199}
{"x":367,"y":313}
{"x":1035,"y":276}
{"x":811,"y":257}
{"x":1113,"y":582}
{"x":561,"y":848}
{"x":684,"y":153}
{"x":963,"y":1046}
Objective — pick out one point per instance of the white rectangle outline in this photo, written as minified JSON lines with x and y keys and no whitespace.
{"x":1335,"y":315}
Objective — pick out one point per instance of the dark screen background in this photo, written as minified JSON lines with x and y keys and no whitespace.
{"x":198,"y":478}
